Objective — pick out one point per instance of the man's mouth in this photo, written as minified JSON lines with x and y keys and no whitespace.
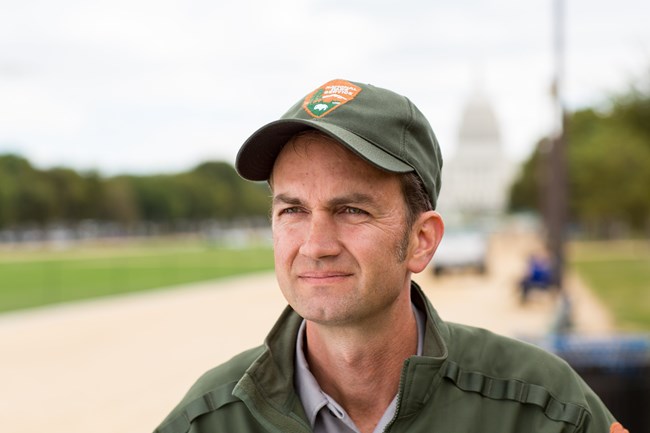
{"x":323,"y":276}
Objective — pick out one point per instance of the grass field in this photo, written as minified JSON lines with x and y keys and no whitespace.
{"x":30,"y":278}
{"x":619,"y":274}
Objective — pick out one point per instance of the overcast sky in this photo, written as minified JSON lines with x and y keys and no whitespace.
{"x":144,"y":86}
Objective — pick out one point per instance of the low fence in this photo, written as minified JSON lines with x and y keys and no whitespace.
{"x":616,"y":367}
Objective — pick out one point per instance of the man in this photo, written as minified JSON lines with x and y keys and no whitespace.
{"x":355,"y":175}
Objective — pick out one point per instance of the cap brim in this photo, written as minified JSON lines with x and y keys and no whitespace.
{"x":257,"y":155}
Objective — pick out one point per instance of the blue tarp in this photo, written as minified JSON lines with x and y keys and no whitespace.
{"x":617,"y":353}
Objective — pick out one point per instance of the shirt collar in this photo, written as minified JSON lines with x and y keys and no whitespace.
{"x":311,"y":395}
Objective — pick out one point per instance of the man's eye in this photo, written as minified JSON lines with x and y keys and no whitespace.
{"x":290,"y":210}
{"x":354,"y":211}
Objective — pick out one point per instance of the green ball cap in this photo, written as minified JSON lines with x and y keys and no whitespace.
{"x":382,"y":127}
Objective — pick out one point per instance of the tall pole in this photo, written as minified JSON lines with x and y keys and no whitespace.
{"x":557,"y":184}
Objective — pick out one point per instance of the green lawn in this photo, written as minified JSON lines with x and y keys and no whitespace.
{"x":34,"y":278}
{"x":619,"y":273}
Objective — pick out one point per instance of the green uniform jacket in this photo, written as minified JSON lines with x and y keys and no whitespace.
{"x":468,"y":380}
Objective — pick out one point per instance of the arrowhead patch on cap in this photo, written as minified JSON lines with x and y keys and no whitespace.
{"x":329,"y":97}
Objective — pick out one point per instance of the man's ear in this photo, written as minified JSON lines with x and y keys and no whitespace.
{"x":425,"y":238}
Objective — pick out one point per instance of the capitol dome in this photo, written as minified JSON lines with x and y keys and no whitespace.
{"x":475,"y":180}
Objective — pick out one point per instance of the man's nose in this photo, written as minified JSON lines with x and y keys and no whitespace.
{"x":321,"y":240}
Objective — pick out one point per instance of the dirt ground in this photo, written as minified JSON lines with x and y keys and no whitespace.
{"x":120,"y":364}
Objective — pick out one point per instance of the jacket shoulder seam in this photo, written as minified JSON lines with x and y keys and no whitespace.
{"x":208,"y":402}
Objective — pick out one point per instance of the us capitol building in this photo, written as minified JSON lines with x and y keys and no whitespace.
{"x":477,"y":177}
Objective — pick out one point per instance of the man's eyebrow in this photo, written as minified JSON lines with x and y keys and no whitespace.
{"x":286,"y":199}
{"x":354,"y":198}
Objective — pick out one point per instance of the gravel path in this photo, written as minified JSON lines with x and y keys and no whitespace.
{"x":120,"y":364}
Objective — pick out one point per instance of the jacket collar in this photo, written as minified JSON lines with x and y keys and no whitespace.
{"x":267,"y":387}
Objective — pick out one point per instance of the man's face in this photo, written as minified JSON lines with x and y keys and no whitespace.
{"x":338,"y":224}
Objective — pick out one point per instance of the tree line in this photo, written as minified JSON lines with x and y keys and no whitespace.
{"x":608,"y":157}
{"x":608,"y":163}
{"x":32,"y":197}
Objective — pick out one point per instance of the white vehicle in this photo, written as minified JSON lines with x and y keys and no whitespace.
{"x":462,"y":249}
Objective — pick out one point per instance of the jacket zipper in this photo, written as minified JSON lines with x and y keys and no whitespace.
{"x":402,"y":381}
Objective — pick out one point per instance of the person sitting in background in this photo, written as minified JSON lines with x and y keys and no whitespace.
{"x":539,"y":275}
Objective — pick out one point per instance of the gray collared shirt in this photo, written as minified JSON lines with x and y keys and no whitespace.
{"x":323,"y":412}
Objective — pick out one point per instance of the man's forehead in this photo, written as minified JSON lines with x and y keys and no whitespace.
{"x":313,"y":147}
{"x":342,"y":199}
